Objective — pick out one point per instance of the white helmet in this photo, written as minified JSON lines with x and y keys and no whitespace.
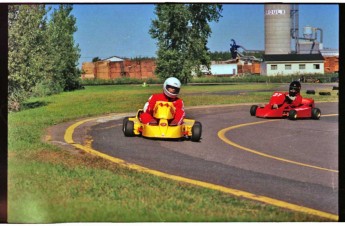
{"x":172,"y":82}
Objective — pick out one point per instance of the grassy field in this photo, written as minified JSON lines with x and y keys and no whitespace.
{"x":47,"y":184}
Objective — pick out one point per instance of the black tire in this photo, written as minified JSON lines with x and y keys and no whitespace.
{"x":310,"y":92}
{"x":129,"y":128}
{"x":125,"y":119}
{"x":196,"y":132}
{"x":315,"y":113}
{"x":292,"y":115}
{"x":253,"y":110}
{"x":325,"y":93}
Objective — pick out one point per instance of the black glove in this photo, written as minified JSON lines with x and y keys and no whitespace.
{"x":288,"y":100}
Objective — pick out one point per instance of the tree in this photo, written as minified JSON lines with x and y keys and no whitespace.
{"x":95,"y":59}
{"x":63,"y":51}
{"x":182,"y":31}
{"x":42,"y":54}
{"x":26,"y":52}
{"x":220,"y":56}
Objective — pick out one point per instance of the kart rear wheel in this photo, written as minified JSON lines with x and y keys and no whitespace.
{"x":196,"y":132}
{"x":253,"y":110}
{"x":128,"y":128}
{"x":292,"y":115}
{"x":315,"y":113}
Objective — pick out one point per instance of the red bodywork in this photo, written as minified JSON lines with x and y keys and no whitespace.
{"x":303,"y":111}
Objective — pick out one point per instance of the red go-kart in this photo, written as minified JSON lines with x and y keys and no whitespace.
{"x":279,"y":108}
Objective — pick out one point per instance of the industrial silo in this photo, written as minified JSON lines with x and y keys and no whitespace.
{"x":277,"y":29}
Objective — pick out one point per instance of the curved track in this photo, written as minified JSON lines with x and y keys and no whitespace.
{"x":292,"y":161}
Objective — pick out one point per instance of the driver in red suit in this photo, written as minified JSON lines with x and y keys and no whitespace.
{"x":293,"y":97}
{"x":171,"y":89}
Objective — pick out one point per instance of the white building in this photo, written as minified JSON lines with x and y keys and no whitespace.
{"x":288,"y":64}
{"x":113,"y":59}
{"x":224,"y":69}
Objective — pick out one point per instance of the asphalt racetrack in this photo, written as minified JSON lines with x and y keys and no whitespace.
{"x":293,"y":161}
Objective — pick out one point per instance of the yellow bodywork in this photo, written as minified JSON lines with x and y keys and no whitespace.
{"x":163,"y":111}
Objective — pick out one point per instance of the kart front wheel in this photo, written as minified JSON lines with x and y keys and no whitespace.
{"x":292,"y":115}
{"x":124,"y":124}
{"x":253,"y":110}
{"x":196,"y":132}
{"x":315,"y":113}
{"x":128,"y":128}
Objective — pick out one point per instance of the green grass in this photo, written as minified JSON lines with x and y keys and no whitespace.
{"x":48,"y":184}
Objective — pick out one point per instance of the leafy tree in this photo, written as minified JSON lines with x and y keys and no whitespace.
{"x":226,"y":55}
{"x":95,"y":59}
{"x":64,"y":53}
{"x":220,"y":56}
{"x":26,"y":52}
{"x":182,"y":31}
{"x":42,"y":54}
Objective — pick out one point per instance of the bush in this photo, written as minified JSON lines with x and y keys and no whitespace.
{"x":265,"y":79}
{"x":214,"y":79}
{"x":120,"y":81}
{"x":15,"y":100}
{"x":46,"y":88}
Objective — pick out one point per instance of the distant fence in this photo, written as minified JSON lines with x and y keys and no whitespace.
{"x":141,"y":69}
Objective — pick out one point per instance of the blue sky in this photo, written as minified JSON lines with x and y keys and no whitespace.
{"x":106,"y":30}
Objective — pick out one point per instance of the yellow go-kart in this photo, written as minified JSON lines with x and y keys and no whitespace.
{"x":163,"y":112}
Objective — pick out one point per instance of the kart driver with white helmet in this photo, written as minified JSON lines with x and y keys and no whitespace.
{"x":171,"y":89}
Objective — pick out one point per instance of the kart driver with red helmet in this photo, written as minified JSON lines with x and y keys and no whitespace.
{"x":171,"y":89}
{"x":293,"y":97}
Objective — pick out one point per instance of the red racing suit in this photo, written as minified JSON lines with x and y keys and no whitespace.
{"x":279,"y":99}
{"x":146,"y":117}
{"x":294,"y":103}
